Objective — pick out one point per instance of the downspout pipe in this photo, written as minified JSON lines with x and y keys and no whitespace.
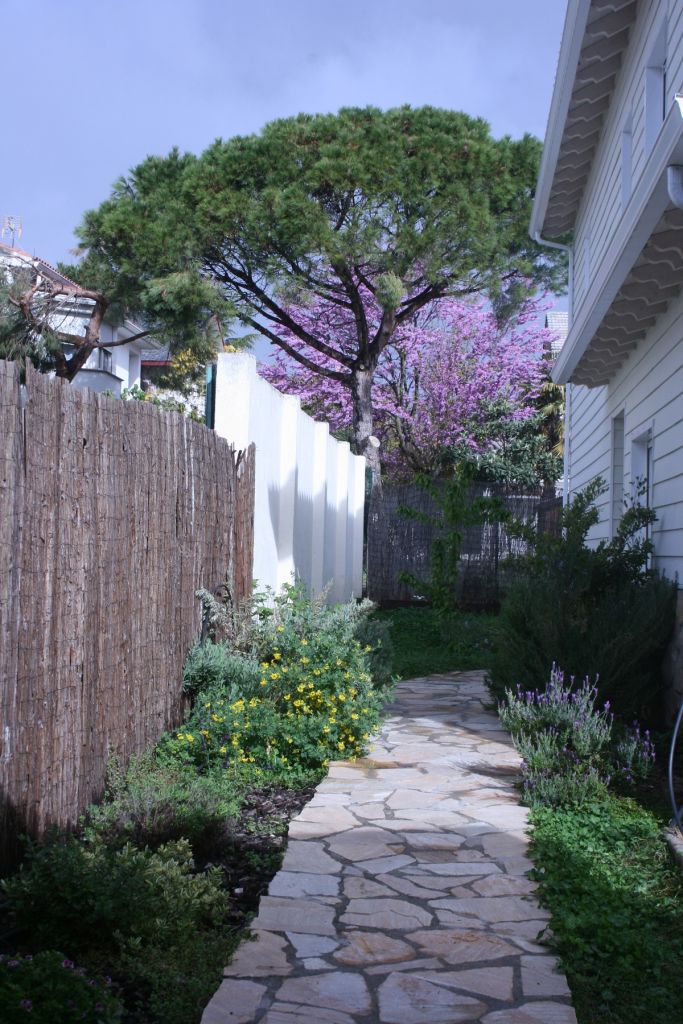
{"x":570,"y":253}
{"x":568,"y":389}
{"x":674,"y":184}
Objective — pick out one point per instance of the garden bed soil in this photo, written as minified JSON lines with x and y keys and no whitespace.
{"x":253,"y":852}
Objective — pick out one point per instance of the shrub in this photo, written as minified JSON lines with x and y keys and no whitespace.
{"x":93,"y":899}
{"x":156,"y":801}
{"x":571,"y":749}
{"x":594,"y":610}
{"x":48,"y":988}
{"x":283,"y":620}
{"x":212,"y":665}
{"x":316,"y":703}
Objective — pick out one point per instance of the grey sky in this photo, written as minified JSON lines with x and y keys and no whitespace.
{"x":97,"y":85}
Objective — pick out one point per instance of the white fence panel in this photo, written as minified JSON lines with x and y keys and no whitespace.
{"x":310,"y":489}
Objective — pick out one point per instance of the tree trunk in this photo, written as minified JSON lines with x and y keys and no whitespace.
{"x":362,"y":436}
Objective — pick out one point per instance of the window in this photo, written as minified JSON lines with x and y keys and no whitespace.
{"x":655,"y":89}
{"x":641,"y":472}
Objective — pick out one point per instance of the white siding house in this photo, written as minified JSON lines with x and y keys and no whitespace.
{"x":108,"y":368}
{"x":611,"y":186}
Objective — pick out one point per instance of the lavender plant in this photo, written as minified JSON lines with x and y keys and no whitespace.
{"x":572,"y":748}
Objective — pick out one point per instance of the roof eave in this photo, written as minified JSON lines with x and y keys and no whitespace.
{"x":644,"y":210}
{"x":568,"y":60}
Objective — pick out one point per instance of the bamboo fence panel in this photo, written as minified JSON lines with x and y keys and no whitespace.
{"x":397,"y":543}
{"x":112,"y":514}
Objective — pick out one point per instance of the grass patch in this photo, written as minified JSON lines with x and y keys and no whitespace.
{"x":616,"y":900}
{"x":423,"y":647}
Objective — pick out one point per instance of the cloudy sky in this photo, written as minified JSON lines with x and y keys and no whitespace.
{"x":97,"y":85}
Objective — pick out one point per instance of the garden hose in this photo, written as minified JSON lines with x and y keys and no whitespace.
{"x":678,"y":811}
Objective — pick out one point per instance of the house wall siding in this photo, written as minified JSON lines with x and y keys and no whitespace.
{"x":648,"y":388}
{"x":601,"y":209}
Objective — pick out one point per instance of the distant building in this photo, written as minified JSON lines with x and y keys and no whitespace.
{"x":109,"y":368}
{"x":558,"y":323}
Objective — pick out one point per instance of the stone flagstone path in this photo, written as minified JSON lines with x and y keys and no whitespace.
{"x":403,"y":896}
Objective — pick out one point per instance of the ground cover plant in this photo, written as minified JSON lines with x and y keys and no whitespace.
{"x":156,"y":886}
{"x":597,"y":611}
{"x":421,"y":647}
{"x":605,"y":873}
{"x":603,"y":867}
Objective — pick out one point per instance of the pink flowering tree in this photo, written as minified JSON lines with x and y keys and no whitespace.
{"x":449,"y":380}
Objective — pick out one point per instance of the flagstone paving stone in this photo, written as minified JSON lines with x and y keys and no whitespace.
{"x":403,"y":896}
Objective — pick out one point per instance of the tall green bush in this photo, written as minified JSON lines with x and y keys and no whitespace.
{"x":597,"y":611}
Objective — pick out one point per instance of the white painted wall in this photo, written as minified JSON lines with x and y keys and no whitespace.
{"x":648,"y":389}
{"x":310,"y":489}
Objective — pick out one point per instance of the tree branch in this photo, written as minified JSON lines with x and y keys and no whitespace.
{"x":343,"y":378}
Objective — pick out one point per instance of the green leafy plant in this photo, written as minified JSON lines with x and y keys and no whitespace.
{"x":591,"y":609}
{"x":457,"y":509}
{"x":605,"y":873}
{"x":315,"y":702}
{"x":212,"y":665}
{"x":144,"y":916}
{"x":155,"y":801}
{"x":94,"y":899}
{"x":48,"y":987}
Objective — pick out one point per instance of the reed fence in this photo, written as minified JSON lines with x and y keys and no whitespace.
{"x":112,"y":514}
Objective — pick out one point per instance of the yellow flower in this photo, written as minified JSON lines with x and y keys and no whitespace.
{"x":288,"y":696}
{"x":339,"y":663}
{"x":340,"y":745}
{"x":223,"y":750}
{"x":264,"y":682}
{"x":326,"y":728}
{"x":207,"y":705}
{"x":280,"y":629}
{"x":366,"y":735}
{"x":342,"y":696}
{"x":354,"y":716}
{"x":367,"y":648}
{"x":316,"y":671}
{"x":304,"y":643}
{"x":305,"y":660}
{"x":300,"y":688}
{"x":189,"y":737}
{"x":265,"y":664}
{"x":204,"y":732}
{"x":274,"y":675}
{"x":277,"y":656}
{"x":180,"y":736}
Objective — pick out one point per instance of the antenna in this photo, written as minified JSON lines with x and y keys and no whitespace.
{"x":11,"y":226}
